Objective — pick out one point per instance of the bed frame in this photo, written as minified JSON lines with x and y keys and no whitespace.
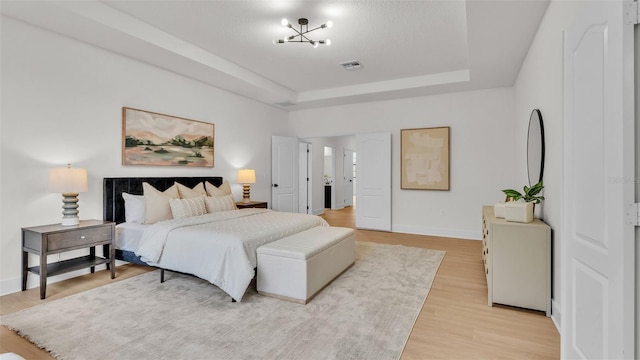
{"x":113,"y":203}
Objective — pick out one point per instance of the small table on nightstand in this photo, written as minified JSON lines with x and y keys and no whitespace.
{"x":252,"y":204}
{"x":53,"y":239}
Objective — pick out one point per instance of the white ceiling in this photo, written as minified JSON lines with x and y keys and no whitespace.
{"x":406,"y":48}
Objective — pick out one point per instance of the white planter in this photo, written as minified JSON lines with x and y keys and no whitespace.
{"x":498,"y":210}
{"x":519,"y":211}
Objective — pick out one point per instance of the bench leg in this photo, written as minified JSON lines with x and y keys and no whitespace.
{"x":161,"y":275}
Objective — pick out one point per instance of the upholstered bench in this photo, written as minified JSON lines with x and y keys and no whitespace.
{"x":297,"y":267}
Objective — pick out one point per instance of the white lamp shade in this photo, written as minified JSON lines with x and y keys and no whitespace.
{"x":68,"y":180}
{"x":247,"y":176}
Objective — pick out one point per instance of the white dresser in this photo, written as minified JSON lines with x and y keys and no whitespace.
{"x":517,"y":262}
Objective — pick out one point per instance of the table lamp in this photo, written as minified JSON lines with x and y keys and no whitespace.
{"x":69,"y":182}
{"x":246,"y":177}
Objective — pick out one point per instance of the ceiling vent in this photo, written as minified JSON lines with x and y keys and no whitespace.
{"x":351,"y":65}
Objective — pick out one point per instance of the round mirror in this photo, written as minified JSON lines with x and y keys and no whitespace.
{"x":535,"y":148}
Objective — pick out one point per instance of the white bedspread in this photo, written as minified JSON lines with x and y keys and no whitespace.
{"x":128,"y":235}
{"x":220,"y":247}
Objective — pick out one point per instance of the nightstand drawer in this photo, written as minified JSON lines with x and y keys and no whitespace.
{"x":252,"y":204}
{"x":79,"y":238}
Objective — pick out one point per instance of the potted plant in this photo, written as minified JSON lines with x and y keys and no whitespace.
{"x":522,"y":211}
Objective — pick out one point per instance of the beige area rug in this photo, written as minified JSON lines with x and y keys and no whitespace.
{"x":366,"y":313}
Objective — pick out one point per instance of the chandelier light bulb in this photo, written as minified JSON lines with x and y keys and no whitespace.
{"x":284,"y":22}
{"x":329,"y":24}
{"x":328,"y":42}
{"x":286,"y":38}
{"x":315,"y":44}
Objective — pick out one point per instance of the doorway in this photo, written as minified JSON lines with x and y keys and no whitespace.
{"x":334,"y":171}
{"x":329,"y":175}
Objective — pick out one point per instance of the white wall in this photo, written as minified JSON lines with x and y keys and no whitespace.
{"x":61,"y":102}
{"x":482,"y":153}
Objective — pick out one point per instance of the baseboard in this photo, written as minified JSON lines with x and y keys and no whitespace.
{"x":556,"y":315}
{"x":9,"y":286}
{"x":452,"y":233}
{"x":13,"y":285}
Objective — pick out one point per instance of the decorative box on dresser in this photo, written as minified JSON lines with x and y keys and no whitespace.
{"x":517,"y":262}
{"x":52,"y":239}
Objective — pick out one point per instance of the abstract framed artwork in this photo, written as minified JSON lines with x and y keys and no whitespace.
{"x":425,"y":158}
{"x":150,"y":138}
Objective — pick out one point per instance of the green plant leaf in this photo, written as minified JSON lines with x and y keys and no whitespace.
{"x":530,"y":194}
{"x":513,"y":194}
{"x":535,"y":189}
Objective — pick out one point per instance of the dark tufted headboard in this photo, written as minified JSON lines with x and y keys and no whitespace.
{"x":113,"y":188}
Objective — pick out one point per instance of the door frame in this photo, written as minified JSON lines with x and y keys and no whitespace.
{"x":347,"y":177}
{"x":305,"y":200}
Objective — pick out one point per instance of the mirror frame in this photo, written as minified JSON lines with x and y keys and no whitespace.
{"x":531,"y":138}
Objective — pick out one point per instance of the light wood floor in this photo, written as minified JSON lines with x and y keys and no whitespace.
{"x":455,"y":322}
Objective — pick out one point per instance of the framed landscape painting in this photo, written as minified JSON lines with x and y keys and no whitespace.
{"x":425,"y":158}
{"x":150,"y":138}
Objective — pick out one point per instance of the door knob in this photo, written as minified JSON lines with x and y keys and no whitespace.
{"x":275,"y":185}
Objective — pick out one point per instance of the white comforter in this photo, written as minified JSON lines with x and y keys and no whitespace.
{"x":220,"y":247}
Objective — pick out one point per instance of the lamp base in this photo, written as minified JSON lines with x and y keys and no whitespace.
{"x":70,"y":221}
{"x":246,"y":193}
{"x":70,"y":209}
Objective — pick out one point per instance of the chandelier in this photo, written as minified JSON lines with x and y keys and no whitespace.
{"x":301,"y":35}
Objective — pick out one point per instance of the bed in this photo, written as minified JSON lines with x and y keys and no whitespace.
{"x":219,"y":247}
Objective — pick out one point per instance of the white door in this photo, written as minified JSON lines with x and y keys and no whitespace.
{"x":304,"y":178}
{"x":373,"y":188}
{"x":598,"y":246}
{"x":347,"y":171}
{"x":284,"y":173}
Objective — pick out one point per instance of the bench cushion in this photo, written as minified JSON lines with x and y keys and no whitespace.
{"x":306,"y":244}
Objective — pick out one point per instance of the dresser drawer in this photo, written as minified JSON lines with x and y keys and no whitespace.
{"x":79,"y":238}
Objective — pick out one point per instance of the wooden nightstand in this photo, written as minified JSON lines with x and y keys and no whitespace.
{"x":53,"y":239}
{"x":252,"y":204}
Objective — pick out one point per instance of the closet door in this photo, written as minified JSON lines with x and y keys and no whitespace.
{"x":598,"y":245}
{"x":373,"y":188}
{"x":284,"y":173}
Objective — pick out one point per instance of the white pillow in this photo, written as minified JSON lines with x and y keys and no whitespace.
{"x":182,"y":208}
{"x":220,"y":203}
{"x":213,"y":190}
{"x":133,"y":208}
{"x":186,"y":193}
{"x":156,"y":203}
